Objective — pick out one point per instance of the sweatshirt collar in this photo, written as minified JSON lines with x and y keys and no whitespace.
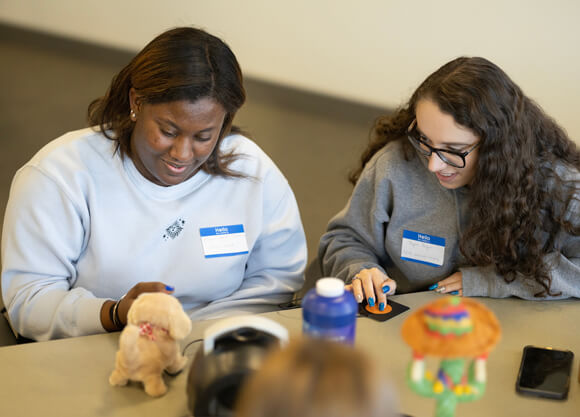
{"x":160,"y":192}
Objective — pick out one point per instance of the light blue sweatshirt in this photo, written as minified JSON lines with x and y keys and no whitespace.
{"x":82,"y":226}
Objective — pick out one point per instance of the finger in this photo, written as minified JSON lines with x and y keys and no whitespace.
{"x":355,"y":287}
{"x":456,"y":292}
{"x":449,"y":287}
{"x":126,"y":301}
{"x":150,"y":286}
{"x":389,"y":286}
{"x":368,"y":288}
{"x":375,"y":279}
{"x":169,"y":289}
{"x":450,"y":280}
{"x":357,"y":290}
{"x":156,"y":286}
{"x":378,"y":282}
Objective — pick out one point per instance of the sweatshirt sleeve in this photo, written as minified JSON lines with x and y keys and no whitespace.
{"x":354,"y":239}
{"x":43,"y":237}
{"x":563,"y":266}
{"x":275,"y":267}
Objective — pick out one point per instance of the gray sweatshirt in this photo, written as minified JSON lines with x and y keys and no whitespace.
{"x":394,"y":195}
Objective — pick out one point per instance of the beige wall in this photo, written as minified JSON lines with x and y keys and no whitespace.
{"x":372,"y":51}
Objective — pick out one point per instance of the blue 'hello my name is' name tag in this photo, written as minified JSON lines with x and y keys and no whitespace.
{"x":422,"y":248}
{"x":223,"y":241}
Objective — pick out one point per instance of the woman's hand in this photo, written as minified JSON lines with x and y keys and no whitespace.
{"x":108,"y":307}
{"x":373,"y":285}
{"x":127,"y":300}
{"x":453,"y":285}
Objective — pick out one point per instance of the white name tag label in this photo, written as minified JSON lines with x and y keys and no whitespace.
{"x":223,"y":241}
{"x":422,"y":248}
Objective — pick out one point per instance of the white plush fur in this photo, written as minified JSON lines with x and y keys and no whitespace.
{"x":140,"y":358}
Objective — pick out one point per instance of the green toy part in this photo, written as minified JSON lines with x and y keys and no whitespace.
{"x":451,"y":385}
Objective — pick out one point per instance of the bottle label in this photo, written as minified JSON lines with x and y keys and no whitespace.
{"x":343,"y":334}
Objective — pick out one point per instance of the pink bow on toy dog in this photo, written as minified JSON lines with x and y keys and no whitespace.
{"x":146,"y":329}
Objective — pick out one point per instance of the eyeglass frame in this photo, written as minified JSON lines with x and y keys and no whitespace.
{"x":437,"y":151}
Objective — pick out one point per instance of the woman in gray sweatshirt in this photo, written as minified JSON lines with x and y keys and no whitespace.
{"x":469,"y":188}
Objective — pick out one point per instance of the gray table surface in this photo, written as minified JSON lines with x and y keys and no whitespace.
{"x":69,"y":377}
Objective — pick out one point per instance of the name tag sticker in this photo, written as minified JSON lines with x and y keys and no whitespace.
{"x":223,"y":241}
{"x":422,"y":248}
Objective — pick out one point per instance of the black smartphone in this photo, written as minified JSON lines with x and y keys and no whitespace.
{"x":545,"y":372}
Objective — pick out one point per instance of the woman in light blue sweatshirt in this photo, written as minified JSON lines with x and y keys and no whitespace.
{"x":470,"y":189}
{"x":162,"y":195}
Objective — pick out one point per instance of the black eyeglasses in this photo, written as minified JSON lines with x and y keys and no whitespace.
{"x":454,"y":158}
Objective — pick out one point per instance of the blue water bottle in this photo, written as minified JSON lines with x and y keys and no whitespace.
{"x":329,"y":312}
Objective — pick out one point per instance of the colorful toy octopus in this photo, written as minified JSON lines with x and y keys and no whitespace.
{"x":461,"y":332}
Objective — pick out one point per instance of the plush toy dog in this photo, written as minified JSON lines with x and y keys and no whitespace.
{"x":148,"y":344}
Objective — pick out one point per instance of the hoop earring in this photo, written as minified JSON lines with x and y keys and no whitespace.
{"x":132,"y":115}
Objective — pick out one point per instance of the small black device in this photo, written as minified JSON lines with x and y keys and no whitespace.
{"x":233,"y":348}
{"x":545,"y":372}
{"x":396,"y":309}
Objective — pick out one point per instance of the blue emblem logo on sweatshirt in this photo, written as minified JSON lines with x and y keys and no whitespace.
{"x":174,"y":230}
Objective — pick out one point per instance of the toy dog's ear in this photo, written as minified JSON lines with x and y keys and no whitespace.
{"x":180,"y":324}
{"x":139,"y":309}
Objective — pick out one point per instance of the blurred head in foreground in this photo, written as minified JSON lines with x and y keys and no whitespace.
{"x":313,"y":378}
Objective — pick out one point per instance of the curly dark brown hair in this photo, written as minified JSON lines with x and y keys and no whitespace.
{"x":522,"y":190}
{"x":180,"y":64}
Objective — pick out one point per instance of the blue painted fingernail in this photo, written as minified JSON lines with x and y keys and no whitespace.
{"x":381,"y":306}
{"x":386,"y":289}
{"x":432,"y":287}
{"x":169,"y":288}
{"x":371,"y":301}
{"x":454,"y":293}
